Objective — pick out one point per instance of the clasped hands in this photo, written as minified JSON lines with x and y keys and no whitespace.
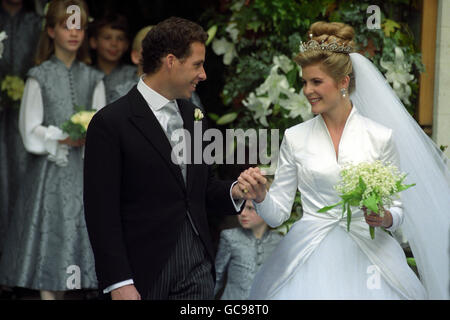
{"x":251,"y":185}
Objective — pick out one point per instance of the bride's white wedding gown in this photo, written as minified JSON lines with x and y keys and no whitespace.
{"x":318,"y":258}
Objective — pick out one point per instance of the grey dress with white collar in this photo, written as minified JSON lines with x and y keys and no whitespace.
{"x":239,"y":257}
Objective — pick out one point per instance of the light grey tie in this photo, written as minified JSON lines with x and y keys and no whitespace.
{"x":175,"y":122}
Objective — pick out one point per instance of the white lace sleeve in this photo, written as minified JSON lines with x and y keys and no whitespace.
{"x":37,"y":138}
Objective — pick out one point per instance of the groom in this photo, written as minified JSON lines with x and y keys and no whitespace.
{"x":146,"y":214}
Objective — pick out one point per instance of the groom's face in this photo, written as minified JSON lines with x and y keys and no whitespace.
{"x":189,"y":71}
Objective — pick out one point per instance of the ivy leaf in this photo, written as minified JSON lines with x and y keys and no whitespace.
{"x":389,"y":26}
{"x":227,"y":118}
{"x":213,"y":116}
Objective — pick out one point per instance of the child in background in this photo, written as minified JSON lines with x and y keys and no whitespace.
{"x":109,"y":39}
{"x":136,"y":54}
{"x":47,"y":246}
{"x":241,"y":253}
{"x":122,"y":88}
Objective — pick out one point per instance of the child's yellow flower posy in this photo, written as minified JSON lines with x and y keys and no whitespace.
{"x":13,"y":86}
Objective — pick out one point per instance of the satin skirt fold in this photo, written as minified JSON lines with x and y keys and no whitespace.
{"x":319,"y":259}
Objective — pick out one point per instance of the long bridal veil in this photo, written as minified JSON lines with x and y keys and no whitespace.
{"x":426,"y":205}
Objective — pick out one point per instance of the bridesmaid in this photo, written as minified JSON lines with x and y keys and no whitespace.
{"x":47,"y":246}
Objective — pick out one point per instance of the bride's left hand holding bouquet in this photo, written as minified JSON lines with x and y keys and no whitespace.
{"x":76,"y":127}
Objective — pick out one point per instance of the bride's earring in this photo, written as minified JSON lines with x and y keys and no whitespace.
{"x":344,"y":92}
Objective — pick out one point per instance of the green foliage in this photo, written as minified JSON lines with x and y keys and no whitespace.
{"x":74,"y":130}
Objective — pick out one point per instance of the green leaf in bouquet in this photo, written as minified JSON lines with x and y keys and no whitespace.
{"x":372,"y":232}
{"x":353,"y":198}
{"x":349,"y":216}
{"x":75,"y":131}
{"x":401,"y":187}
{"x":325,"y":209}
{"x":371,"y":203}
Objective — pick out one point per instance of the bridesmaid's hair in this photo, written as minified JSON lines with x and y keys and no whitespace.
{"x":336,"y":65}
{"x":57,"y":14}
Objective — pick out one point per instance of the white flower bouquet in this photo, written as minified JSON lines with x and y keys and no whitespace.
{"x":368,"y":184}
{"x":76,"y":126}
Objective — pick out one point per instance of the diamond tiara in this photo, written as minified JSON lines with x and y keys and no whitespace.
{"x":333,"y":46}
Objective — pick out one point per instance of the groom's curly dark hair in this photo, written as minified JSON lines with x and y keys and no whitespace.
{"x":173,"y":35}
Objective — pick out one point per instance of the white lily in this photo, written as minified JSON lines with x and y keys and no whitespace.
{"x":259,"y":106}
{"x":273,"y":85}
{"x":283,"y":62}
{"x":296,"y":104}
{"x":398,"y":74}
{"x":222,"y":46}
{"x":232,"y":31}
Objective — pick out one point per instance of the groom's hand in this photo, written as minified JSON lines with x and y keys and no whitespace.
{"x":253,"y":183}
{"x":127,"y":292}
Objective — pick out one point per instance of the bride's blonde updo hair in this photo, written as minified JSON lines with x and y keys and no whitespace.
{"x":336,"y":64}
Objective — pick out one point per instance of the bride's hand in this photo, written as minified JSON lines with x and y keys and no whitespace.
{"x":374,"y":220}
{"x":253,"y":184}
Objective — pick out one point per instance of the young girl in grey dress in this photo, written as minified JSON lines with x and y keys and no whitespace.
{"x":47,"y":246}
{"x":241,"y":253}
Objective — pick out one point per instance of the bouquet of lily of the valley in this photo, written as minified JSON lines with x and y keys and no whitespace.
{"x":368,"y":184}
{"x":11,"y":91}
{"x":76,"y":126}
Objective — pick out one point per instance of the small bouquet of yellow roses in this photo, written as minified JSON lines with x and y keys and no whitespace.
{"x":11,"y":89}
{"x":368,"y":184}
{"x":76,"y":126}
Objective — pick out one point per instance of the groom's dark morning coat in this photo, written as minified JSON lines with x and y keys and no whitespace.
{"x":135,"y":197}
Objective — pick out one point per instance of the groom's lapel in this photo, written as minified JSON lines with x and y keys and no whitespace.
{"x":145,"y":121}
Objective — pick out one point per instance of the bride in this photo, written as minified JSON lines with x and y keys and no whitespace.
{"x":359,"y":119}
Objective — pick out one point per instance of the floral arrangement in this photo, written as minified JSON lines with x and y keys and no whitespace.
{"x":11,"y":91}
{"x":368,"y":184}
{"x":76,"y":126}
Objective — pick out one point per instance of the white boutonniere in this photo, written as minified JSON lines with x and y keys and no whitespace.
{"x":198,"y":114}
